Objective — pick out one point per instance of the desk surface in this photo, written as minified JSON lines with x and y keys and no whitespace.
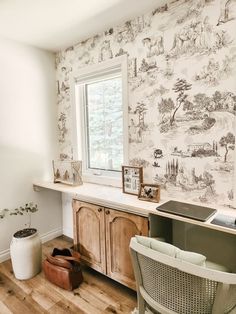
{"x":112,"y":197}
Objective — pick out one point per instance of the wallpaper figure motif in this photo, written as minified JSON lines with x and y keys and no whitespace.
{"x":137,"y":129}
{"x":154,"y":46}
{"x":121,"y":52}
{"x":215,"y":71}
{"x":198,"y":37}
{"x":128,"y":32}
{"x":227,"y":10}
{"x":168,"y":71}
{"x":193,"y":11}
{"x":182,"y":95}
{"x":62,"y":127}
{"x":105,"y":52}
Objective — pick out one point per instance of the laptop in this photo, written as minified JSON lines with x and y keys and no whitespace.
{"x":187,"y":210}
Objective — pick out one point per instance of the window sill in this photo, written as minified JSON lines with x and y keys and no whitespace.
{"x":102,"y":180}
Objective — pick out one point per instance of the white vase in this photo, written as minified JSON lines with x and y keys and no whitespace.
{"x":26,"y":253}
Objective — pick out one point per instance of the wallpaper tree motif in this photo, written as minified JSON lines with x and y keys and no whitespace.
{"x":182,"y":95}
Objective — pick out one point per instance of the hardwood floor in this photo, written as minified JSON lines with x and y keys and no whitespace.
{"x":97,"y":294}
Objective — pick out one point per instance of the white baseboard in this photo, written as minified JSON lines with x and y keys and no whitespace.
{"x":51,"y":235}
{"x":5,"y":255}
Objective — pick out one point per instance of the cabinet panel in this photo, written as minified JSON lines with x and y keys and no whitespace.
{"x":89,"y":234}
{"x":120,"y":228}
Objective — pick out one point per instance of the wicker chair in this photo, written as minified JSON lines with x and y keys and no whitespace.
{"x":171,"y":286}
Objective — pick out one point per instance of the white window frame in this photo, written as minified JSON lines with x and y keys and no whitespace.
{"x":90,"y":74}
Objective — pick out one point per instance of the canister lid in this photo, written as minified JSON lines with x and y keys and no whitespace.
{"x":25,"y":233}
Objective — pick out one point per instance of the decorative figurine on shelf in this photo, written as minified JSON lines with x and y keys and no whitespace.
{"x":68,"y":172}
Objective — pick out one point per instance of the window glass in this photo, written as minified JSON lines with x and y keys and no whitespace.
{"x":104,"y":124}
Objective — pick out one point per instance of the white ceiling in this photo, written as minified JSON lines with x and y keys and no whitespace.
{"x":57,"y":24}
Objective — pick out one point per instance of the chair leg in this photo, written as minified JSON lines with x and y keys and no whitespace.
{"x":141,"y":304}
{"x":220,"y":299}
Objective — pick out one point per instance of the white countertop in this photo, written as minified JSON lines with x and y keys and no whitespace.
{"x":113,"y":197}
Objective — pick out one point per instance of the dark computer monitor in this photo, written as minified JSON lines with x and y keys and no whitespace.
{"x":187,"y":210}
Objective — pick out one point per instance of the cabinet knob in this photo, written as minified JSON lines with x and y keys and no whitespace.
{"x":99,"y":209}
{"x":107,"y":212}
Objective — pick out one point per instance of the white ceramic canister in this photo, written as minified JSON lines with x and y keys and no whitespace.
{"x":26,"y":253}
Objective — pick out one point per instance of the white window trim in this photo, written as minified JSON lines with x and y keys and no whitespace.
{"x":87,"y":74}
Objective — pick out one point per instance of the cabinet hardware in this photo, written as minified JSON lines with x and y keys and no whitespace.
{"x":107,"y":212}
{"x":99,"y":209}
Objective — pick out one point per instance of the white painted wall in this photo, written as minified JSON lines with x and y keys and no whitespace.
{"x":28,"y":138}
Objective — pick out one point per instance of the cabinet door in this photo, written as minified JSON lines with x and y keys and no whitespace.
{"x":120,"y":228}
{"x":89,"y":234}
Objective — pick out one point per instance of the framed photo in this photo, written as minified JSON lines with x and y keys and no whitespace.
{"x":132,"y":177}
{"x":68,"y":172}
{"x":149,"y":192}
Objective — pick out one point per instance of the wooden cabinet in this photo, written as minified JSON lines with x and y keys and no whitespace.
{"x":102,"y":236}
{"x":120,"y":228}
{"x":89,"y":235}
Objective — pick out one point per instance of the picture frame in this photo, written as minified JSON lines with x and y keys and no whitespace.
{"x":68,"y":172}
{"x":149,"y":192}
{"x":132,"y":177}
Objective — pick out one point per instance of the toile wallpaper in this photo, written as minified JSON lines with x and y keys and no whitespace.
{"x":182,"y":95}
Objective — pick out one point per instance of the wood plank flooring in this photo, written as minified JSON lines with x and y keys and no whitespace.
{"x":97,"y":294}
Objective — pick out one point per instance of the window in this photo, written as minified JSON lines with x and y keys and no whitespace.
{"x":104,"y":120}
{"x":100,"y":112}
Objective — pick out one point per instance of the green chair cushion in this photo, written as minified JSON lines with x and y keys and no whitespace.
{"x":191,"y":257}
{"x":157,"y":245}
{"x":216,"y":266}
